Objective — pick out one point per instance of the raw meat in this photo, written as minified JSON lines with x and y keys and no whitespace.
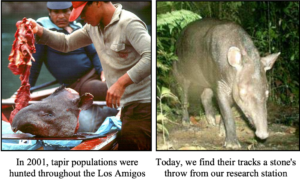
{"x":20,"y":62}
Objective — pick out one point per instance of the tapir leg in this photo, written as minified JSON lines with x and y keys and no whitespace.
{"x":206,"y":99}
{"x":222,"y":129}
{"x":185,"y":103}
{"x":184,"y":84}
{"x":225,"y":102}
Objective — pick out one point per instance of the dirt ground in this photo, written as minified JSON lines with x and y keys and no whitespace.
{"x":200,"y":136}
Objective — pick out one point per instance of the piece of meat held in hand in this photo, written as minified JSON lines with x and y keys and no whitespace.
{"x":20,"y":63}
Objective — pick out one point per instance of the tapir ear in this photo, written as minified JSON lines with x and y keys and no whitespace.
{"x":234,"y":57}
{"x":86,"y":101}
{"x":58,"y":90}
{"x":269,"y":60}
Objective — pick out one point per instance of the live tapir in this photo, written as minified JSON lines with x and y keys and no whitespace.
{"x":60,"y":115}
{"x":220,"y":57}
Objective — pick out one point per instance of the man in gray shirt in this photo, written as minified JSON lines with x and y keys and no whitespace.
{"x":123,"y":44}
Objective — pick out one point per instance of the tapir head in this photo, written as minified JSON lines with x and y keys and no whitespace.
{"x":250,"y":89}
{"x":55,"y":116}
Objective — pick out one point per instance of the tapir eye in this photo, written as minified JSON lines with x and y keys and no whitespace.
{"x":47,"y":114}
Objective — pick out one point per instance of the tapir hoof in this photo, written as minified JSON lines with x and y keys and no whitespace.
{"x":222,"y":132}
{"x":186,"y":122}
{"x":262,"y":135}
{"x":211,"y":120}
{"x":232,"y":145}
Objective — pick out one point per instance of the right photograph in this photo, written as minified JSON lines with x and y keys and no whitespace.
{"x":227,"y":76}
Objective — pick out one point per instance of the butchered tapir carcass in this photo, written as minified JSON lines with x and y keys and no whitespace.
{"x":220,"y":57}
{"x":62,"y":114}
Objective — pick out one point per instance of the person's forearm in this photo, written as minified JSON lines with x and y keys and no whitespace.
{"x":138,"y":36}
{"x":142,"y":69}
{"x":65,"y":43}
{"x":124,"y":80}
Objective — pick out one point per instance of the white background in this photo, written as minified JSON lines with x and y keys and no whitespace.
{"x":147,"y":162}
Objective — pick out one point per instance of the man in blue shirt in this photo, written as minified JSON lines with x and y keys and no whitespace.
{"x":79,"y":69}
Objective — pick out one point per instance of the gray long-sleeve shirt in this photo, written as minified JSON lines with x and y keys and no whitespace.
{"x":123,"y":46}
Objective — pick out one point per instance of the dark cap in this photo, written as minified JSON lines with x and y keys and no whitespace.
{"x":59,"y":5}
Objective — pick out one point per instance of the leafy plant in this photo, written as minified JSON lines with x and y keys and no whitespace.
{"x":169,"y":26}
{"x":164,"y":109}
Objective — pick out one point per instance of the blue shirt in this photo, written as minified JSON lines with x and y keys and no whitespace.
{"x":65,"y":67}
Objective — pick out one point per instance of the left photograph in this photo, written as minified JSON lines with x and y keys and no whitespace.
{"x":76,"y":76}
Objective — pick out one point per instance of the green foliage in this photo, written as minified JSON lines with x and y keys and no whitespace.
{"x":175,"y":19}
{"x":230,"y":11}
{"x":169,"y":6}
{"x":169,"y":26}
{"x":163,"y":129}
{"x":163,"y":109}
{"x":274,"y":28}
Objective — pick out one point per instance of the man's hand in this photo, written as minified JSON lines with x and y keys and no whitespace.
{"x":114,"y":94}
{"x":116,"y":91}
{"x":37,"y":29}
